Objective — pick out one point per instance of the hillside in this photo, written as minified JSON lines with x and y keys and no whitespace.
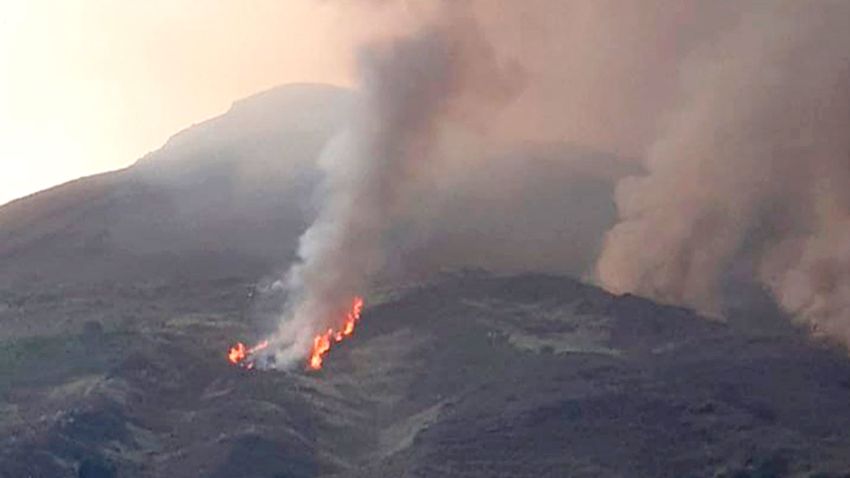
{"x":230,"y":197}
{"x":224,"y":196}
{"x":468,"y":375}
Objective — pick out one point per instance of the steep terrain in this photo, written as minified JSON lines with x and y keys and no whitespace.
{"x":228,"y":194}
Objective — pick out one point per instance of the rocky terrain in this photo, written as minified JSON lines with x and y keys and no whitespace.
{"x":467,"y":375}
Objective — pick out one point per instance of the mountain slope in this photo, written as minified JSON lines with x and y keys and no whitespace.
{"x":230,"y":197}
{"x":469,"y":375}
{"x":119,"y":294}
{"x":223,"y":196}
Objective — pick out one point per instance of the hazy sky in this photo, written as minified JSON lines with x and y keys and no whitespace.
{"x":92,"y":85}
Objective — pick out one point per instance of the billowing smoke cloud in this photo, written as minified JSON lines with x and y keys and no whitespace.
{"x":407,"y":85}
{"x":599,"y":73}
{"x":749,"y":179}
{"x":737,"y":113}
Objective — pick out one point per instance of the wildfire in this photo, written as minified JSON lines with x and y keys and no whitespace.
{"x":241,"y":355}
{"x":322,"y":342}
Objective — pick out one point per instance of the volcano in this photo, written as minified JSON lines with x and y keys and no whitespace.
{"x":120,"y":293}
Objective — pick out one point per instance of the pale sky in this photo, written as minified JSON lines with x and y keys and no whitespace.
{"x":92,"y":85}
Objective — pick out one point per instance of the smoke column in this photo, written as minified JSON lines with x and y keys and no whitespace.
{"x":751,"y":172}
{"x":737,"y":111}
{"x":407,"y":85}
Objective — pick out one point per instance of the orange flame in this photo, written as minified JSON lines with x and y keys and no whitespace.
{"x":322,"y":342}
{"x":239,"y":354}
{"x":236,"y":353}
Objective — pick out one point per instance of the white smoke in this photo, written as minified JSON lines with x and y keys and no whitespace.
{"x":407,"y":85}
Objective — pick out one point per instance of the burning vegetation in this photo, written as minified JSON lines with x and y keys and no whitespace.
{"x":243,"y":356}
{"x":322,"y":342}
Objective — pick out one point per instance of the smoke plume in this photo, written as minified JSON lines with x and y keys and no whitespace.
{"x":735,"y":115}
{"x":407,"y":84}
{"x":749,"y":178}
